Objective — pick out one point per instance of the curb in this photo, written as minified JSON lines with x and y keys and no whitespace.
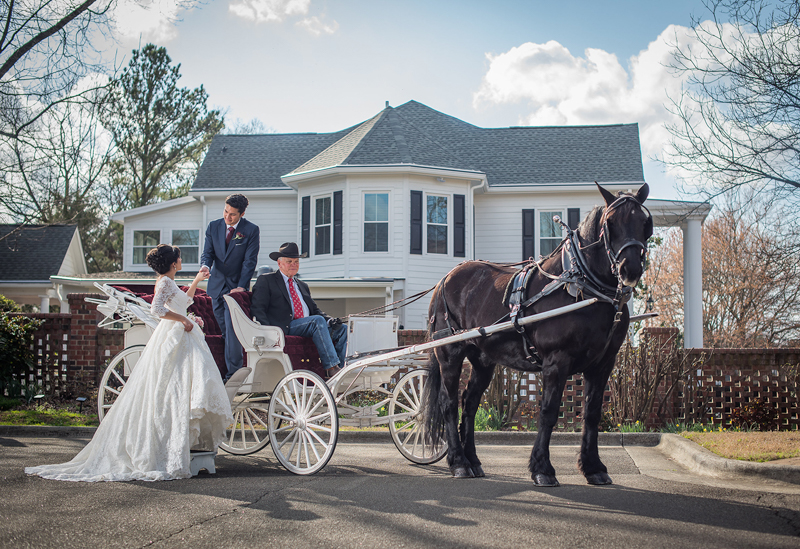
{"x":685,"y":452}
{"x":693,"y":456}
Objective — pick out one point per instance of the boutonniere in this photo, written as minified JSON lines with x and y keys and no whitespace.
{"x":238,"y":236}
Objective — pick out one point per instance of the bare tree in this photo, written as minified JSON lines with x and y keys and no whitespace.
{"x":739,"y":112}
{"x":751,"y":275}
{"x":254,"y":127}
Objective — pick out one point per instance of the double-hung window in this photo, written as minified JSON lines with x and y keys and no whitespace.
{"x":188,"y":240}
{"x":143,"y":242}
{"x":436,"y":224}
{"x":549,"y":232}
{"x":376,"y":222}
{"x":323,"y":221}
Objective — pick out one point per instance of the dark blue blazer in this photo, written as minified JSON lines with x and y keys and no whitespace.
{"x":232,"y":267}
{"x":271,"y":304}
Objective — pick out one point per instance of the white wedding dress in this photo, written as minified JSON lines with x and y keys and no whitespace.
{"x":174,"y":401}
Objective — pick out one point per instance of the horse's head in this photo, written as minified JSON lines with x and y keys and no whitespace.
{"x":627,"y":224}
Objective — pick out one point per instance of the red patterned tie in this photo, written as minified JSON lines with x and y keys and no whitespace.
{"x":229,"y":236}
{"x":298,"y":308}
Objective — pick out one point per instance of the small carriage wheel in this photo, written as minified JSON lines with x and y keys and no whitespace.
{"x":408,"y":431}
{"x":303,"y":422}
{"x":115,"y":377}
{"x":249,"y":431}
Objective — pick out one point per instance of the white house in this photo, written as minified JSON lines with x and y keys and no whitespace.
{"x":387,"y":207}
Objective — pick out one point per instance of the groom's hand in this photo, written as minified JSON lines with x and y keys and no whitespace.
{"x":239,"y":289}
{"x":205,"y":269}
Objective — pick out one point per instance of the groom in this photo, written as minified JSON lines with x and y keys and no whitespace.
{"x":230,"y":253}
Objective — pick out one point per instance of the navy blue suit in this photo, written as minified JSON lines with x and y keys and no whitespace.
{"x":232,"y":266}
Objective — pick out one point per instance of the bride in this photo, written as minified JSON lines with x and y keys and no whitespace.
{"x":173,"y":402}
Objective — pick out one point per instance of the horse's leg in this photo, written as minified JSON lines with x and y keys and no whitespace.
{"x":553,"y":381}
{"x":589,"y":461}
{"x":470,"y":401}
{"x":451,"y":364}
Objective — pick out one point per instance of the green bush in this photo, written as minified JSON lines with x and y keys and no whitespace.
{"x":7,"y":305}
{"x":16,"y":356}
{"x":8,"y":403}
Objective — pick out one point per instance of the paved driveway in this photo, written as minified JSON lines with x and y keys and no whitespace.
{"x":369,"y":496}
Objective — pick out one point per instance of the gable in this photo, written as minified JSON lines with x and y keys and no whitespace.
{"x":34,"y":252}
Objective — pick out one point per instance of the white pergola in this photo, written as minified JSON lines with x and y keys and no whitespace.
{"x":689,"y":216}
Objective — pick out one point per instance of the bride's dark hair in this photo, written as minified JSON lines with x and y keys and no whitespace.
{"x":162,"y":257}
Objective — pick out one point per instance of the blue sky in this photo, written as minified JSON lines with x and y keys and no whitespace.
{"x":320,"y":66}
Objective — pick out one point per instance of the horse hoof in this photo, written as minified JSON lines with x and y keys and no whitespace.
{"x":477,"y":471}
{"x":598,"y":479}
{"x":462,"y":472}
{"x":544,"y":481}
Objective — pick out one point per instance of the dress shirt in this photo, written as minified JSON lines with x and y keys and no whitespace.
{"x":296,"y":289}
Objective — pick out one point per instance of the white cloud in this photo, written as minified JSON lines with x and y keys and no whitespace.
{"x":562,"y":89}
{"x":153,"y":20}
{"x":262,"y":11}
{"x":316,"y":27}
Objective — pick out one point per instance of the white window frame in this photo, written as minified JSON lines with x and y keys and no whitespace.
{"x":199,"y":245}
{"x":449,"y":224}
{"x":388,"y":221}
{"x":561,"y":212}
{"x":134,"y":247}
{"x":313,"y":243}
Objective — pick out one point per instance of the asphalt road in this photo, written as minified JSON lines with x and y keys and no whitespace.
{"x":370,"y":496}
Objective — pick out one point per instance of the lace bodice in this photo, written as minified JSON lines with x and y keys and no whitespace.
{"x":168,"y":297}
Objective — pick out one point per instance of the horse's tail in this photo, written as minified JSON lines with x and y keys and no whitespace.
{"x":433,"y":418}
{"x":432,"y":411}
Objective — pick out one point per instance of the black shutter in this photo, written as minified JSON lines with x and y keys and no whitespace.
{"x":305,"y":225}
{"x":573,"y":218}
{"x":337,"y":222}
{"x":416,"y":222}
{"x":459,"y":226}
{"x":528,"y":234}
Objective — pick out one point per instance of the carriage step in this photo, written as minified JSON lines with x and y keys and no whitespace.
{"x":202,"y":460}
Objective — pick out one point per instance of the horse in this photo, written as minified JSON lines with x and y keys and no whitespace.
{"x":603,"y":258}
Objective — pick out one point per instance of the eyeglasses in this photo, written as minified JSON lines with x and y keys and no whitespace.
{"x":291,"y":261}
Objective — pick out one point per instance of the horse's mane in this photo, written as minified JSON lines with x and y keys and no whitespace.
{"x":589,"y":228}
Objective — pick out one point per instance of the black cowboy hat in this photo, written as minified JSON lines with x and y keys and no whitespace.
{"x":287,"y":249}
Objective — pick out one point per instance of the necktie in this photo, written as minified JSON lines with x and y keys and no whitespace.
{"x":296,"y":306}
{"x":229,"y":236}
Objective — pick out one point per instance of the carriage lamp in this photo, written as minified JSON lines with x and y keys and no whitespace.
{"x":80,"y":400}
{"x":649,"y":303}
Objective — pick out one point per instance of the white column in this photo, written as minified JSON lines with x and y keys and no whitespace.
{"x":44,"y":306}
{"x":692,"y":284}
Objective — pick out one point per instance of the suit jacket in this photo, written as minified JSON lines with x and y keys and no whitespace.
{"x":272,"y":305}
{"x":232,"y":267}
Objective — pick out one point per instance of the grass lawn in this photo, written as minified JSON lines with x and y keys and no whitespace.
{"x":750,"y":446}
{"x":57,"y":416}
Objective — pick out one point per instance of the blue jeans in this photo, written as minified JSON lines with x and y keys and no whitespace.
{"x":233,"y":349}
{"x":331,"y":344}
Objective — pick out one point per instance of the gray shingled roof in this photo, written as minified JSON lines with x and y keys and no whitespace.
{"x":33,"y":252}
{"x":414,"y":133}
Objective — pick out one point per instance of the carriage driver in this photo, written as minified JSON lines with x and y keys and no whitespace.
{"x":281,"y":299}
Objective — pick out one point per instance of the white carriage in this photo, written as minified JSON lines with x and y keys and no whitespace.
{"x":294,"y":411}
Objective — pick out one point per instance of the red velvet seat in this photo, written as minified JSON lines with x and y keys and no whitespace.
{"x":301,"y":350}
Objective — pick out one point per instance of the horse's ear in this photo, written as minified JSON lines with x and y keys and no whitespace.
{"x":642,"y":193}
{"x":607,"y":195}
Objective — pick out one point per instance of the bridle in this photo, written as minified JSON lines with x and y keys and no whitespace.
{"x":613,"y":257}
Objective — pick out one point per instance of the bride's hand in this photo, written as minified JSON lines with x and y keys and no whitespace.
{"x":187,"y":324}
{"x":202,"y":275}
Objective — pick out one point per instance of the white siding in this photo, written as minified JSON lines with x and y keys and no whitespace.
{"x":188,"y":216}
{"x":498,"y":220}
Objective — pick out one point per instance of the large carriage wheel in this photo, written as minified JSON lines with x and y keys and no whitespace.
{"x":115,"y":377}
{"x":304,"y":423}
{"x":408,"y":430}
{"x":249,"y":431}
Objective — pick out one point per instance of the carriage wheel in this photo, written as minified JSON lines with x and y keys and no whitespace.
{"x":304,"y":423}
{"x":249,"y":431}
{"x":408,"y":432}
{"x":115,"y":377}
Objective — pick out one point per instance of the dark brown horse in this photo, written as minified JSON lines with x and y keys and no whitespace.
{"x":612,"y":242}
